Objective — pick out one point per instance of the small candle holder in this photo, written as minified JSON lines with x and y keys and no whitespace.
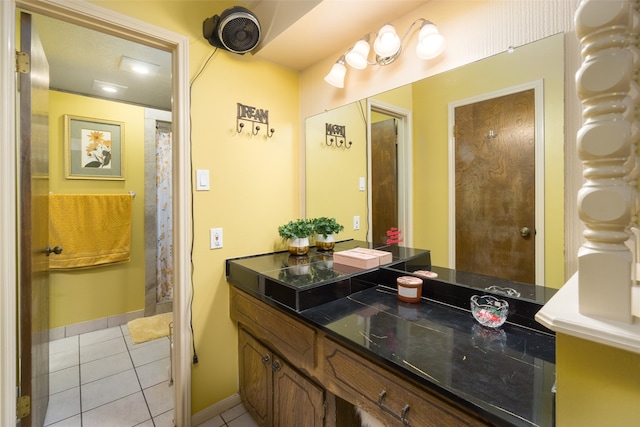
{"x":489,"y":311}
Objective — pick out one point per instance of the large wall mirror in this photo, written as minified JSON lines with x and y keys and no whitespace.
{"x":420,"y":169}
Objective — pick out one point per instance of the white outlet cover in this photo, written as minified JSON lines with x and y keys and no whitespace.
{"x":216,"y":238}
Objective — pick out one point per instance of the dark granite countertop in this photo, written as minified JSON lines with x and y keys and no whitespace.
{"x":505,"y":375}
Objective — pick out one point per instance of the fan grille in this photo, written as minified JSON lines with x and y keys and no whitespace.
{"x":239,"y":32}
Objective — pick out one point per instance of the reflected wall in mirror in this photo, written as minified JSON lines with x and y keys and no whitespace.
{"x":335,"y":171}
{"x":429,"y":145}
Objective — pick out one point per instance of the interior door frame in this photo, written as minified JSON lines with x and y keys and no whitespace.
{"x":107,"y":21}
{"x":405,"y":171}
{"x":538,"y":89}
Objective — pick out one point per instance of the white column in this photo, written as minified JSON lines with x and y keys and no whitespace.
{"x":606,"y":146}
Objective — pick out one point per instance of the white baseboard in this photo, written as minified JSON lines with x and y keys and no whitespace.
{"x":215,"y":409}
{"x":93,"y":325}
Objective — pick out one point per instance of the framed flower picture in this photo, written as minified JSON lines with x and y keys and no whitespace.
{"x":94,"y":148}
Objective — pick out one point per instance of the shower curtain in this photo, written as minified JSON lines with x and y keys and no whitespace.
{"x":164,"y":268}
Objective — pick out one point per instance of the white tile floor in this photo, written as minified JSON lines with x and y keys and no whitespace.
{"x":101,"y":379}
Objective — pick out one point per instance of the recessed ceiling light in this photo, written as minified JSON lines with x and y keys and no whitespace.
{"x":137,"y":66}
{"x":108,"y":87}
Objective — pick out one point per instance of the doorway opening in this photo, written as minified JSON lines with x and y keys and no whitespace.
{"x":398,"y":169}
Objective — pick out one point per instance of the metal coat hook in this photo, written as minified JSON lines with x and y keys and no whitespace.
{"x":338,"y":132}
{"x":254,"y":115}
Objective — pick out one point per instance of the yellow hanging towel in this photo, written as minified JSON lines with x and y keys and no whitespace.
{"x":92,"y":229}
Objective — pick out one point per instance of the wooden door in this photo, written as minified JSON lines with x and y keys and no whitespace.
{"x":495,"y":187}
{"x":34,"y":226}
{"x":296,"y":400}
{"x":384,"y":179}
{"x":255,"y":378}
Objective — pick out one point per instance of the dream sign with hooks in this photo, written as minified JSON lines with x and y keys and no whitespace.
{"x":336,"y":134}
{"x":255,"y":116}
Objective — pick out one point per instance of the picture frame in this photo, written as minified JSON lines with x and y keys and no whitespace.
{"x":94,"y":148}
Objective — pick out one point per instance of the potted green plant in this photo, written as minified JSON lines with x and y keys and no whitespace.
{"x":325,"y":230}
{"x":297,"y":233}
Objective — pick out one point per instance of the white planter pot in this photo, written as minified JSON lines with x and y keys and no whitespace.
{"x":299,"y":246}
{"x":325,"y":243}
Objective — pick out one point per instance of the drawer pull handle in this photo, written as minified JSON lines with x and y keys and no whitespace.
{"x":403,"y":414}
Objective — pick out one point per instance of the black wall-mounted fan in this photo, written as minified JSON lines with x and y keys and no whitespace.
{"x":236,"y":30}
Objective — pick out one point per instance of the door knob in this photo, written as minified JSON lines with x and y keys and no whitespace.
{"x":525,"y":232}
{"x":57,"y":250}
{"x":266,"y":359}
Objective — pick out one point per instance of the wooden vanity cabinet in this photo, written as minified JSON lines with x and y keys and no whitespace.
{"x":385,"y":395}
{"x":329,"y":379}
{"x":273,"y":392}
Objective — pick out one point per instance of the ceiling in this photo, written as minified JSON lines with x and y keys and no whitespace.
{"x":295,"y":34}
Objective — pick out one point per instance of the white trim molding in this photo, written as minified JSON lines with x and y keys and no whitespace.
{"x":562,"y":315}
{"x":8,"y":273}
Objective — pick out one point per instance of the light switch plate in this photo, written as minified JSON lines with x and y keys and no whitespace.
{"x":202,"y":179}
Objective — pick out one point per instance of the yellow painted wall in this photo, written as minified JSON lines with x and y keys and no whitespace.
{"x":94,"y":293}
{"x":254,"y":181}
{"x":333,"y":172}
{"x":430,"y":142}
{"x":597,"y":385}
{"x":401,"y":97}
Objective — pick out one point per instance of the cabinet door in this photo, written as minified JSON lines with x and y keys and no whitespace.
{"x":255,"y":378}
{"x":296,"y":400}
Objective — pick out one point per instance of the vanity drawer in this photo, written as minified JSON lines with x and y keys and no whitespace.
{"x":291,"y":339}
{"x":386,"y":396}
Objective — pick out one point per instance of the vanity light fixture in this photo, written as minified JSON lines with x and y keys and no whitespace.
{"x":387,"y":46}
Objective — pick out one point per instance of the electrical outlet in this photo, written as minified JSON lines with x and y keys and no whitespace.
{"x":356,"y":222}
{"x":216,"y":238}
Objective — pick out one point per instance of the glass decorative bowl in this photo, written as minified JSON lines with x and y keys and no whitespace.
{"x":489,"y":311}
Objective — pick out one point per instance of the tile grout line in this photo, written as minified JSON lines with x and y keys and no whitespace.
{"x":135,"y":369}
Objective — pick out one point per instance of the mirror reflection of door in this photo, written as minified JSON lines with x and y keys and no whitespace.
{"x":384,"y":178}
{"x":495,"y":187}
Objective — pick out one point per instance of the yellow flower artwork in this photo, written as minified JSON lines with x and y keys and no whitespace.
{"x":96,"y":149}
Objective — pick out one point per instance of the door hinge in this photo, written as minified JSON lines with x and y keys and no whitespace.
{"x":23,"y":408}
{"x":23,"y":63}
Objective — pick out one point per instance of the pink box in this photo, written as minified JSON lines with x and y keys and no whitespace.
{"x":384,"y":257}
{"x":356,"y":259}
